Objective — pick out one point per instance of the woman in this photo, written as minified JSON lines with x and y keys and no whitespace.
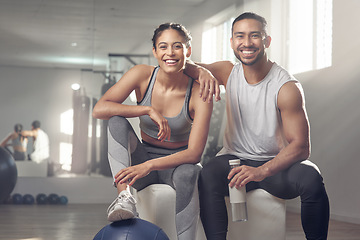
{"x":174,"y":124}
{"x":18,"y":143}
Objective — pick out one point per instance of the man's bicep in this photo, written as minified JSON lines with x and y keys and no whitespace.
{"x":293,"y":113}
{"x":221,"y":70}
{"x":27,"y":133}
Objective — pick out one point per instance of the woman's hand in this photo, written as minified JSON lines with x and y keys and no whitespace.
{"x":162,"y":123}
{"x":131,"y":174}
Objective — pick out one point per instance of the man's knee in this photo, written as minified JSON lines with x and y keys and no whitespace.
{"x":311,"y":182}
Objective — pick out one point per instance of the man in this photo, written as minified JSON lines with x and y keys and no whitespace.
{"x":267,"y":128}
{"x":40,"y":142}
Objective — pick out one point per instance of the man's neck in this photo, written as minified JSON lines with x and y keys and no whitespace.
{"x":257,"y":72}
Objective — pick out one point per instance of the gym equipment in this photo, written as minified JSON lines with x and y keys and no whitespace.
{"x":8,"y":174}
{"x":63,"y":200}
{"x":53,"y":198}
{"x":81,"y":106}
{"x":41,"y":199}
{"x":17,"y":199}
{"x":28,"y":199}
{"x":131,"y":229}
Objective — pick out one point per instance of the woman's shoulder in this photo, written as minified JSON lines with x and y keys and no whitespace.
{"x":140,"y":72}
{"x":195,"y":95}
{"x":143,"y":69}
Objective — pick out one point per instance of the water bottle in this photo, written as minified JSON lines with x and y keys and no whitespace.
{"x":237,"y":198}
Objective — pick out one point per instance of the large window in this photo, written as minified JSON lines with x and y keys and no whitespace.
{"x":309,"y":35}
{"x":216,"y":43}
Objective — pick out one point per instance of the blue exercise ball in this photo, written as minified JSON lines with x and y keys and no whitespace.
{"x":8,"y":174}
{"x":53,"y":198}
{"x":17,"y":198}
{"x":131,"y":229}
{"x":41,"y":199}
{"x":28,"y":199}
{"x":63,"y":200}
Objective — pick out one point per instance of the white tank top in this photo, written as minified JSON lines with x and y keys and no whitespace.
{"x":254,"y":127}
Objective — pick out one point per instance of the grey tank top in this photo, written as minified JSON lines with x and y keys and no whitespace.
{"x":16,"y":142}
{"x":180,"y":125}
{"x":254,"y":128}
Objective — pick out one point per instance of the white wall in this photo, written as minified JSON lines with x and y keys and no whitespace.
{"x":332,"y":98}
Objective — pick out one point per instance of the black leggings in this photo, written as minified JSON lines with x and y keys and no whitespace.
{"x":301,"y":179}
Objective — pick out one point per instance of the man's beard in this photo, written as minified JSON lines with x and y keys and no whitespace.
{"x":258,"y":57}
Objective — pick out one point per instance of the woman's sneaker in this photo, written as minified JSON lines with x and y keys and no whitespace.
{"x":123,"y":207}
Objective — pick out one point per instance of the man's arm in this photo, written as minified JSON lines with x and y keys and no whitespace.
{"x":296,"y":128}
{"x":28,"y":133}
{"x":210,"y":76}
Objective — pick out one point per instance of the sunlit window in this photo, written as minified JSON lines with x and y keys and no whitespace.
{"x":66,"y":122}
{"x":216,"y":43}
{"x":66,"y":127}
{"x":65,"y":156}
{"x":309,"y":35}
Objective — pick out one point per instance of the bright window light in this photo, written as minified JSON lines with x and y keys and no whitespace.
{"x":65,"y":156}
{"x":66,"y":122}
{"x":216,"y":44}
{"x":208,"y":47}
{"x":324,"y":33}
{"x":300,"y":36}
{"x":310,"y":35}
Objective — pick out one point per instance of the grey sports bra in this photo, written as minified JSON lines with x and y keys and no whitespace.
{"x":180,"y":125}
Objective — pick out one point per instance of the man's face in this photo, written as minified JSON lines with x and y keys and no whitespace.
{"x":249,"y":41}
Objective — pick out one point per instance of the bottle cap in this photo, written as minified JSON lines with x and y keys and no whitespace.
{"x":234,"y":162}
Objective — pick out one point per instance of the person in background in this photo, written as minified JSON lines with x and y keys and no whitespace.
{"x":174,"y":124}
{"x":40,"y":142}
{"x":267,"y":129}
{"x":18,"y":143}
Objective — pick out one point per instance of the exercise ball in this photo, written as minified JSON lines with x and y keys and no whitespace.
{"x":8,"y":174}
{"x":63,"y":200}
{"x":41,"y":199}
{"x":17,"y":199}
{"x":131,"y":229}
{"x":53,"y":198}
{"x":28,"y":199}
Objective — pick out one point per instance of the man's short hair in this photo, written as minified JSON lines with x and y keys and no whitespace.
{"x":251,"y":15}
{"x":35,"y":124}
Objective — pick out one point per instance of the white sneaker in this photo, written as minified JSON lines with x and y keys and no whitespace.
{"x":123,"y":207}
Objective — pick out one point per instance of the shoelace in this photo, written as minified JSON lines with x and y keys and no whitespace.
{"x":127,"y":197}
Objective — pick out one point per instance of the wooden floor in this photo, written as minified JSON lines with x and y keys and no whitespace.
{"x":83,"y":221}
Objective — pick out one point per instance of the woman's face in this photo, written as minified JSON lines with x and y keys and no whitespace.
{"x":171,"y":51}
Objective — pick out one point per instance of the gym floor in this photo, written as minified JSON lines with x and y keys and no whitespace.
{"x":83,"y":221}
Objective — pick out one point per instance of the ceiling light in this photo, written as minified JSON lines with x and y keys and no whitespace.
{"x":75,"y":86}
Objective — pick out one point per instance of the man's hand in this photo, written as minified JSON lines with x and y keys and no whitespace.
{"x":209,"y":86}
{"x":245,"y":174}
